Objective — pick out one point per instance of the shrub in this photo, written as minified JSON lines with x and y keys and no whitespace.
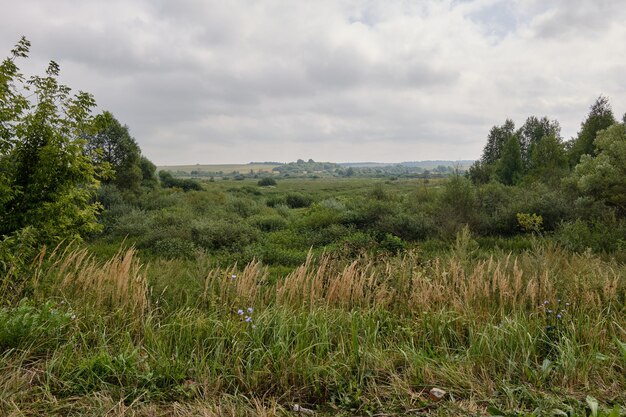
{"x":266,"y":182}
{"x":269,"y":223}
{"x":298,"y":200}
{"x":174,"y":247}
{"x":599,"y":236}
{"x":274,"y":201}
{"x":222,"y":234}
{"x":392,"y":244}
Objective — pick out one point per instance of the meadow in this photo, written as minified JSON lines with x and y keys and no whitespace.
{"x":321,"y":292}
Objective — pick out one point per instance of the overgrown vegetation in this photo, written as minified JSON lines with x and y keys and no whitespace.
{"x":344,"y":294}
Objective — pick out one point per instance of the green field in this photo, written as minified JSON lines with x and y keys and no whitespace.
{"x":364,"y":294}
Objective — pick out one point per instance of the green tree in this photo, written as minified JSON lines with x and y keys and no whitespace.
{"x":600,"y":117}
{"x":148,"y":173}
{"x":603,"y":177}
{"x":548,"y":161}
{"x":111,"y":142}
{"x":480,"y":172}
{"x":510,"y":167}
{"x":532,"y":132}
{"x":497,"y":138}
{"x":46,"y":177}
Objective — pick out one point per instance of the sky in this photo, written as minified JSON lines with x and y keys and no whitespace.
{"x":215,"y":81}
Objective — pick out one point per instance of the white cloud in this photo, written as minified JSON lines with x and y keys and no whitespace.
{"x":213,"y":81}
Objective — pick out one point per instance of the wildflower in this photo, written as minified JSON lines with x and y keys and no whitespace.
{"x":240,"y":312}
{"x":545,"y":302}
{"x":250,"y":310}
{"x":549,"y":311}
{"x":558,"y":316}
{"x":233,"y":276}
{"x":248,"y":319}
{"x":254,"y":326}
{"x":567,"y":304}
{"x":73,"y":317}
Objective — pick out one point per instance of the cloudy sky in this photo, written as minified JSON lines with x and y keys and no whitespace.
{"x":232,"y":81}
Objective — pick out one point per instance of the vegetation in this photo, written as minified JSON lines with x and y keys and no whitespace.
{"x":352,"y":292}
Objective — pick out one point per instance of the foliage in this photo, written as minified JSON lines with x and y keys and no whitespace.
{"x":496,"y":140}
{"x":298,"y":200}
{"x":548,"y":160}
{"x":599,"y":118}
{"x":267,"y":181}
{"x":510,"y":167}
{"x":168,"y":181}
{"x":530,"y":222}
{"x":46,"y":178}
{"x":533,"y":133}
{"x":111,"y":143}
{"x":34,"y":327}
{"x":603,"y":177}
{"x":148,"y":173}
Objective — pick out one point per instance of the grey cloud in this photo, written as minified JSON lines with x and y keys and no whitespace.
{"x":214,"y":81}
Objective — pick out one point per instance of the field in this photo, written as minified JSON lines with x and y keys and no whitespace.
{"x":247,"y":300}
{"x":223,"y":168}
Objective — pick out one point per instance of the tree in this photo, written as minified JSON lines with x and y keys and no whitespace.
{"x":111,"y":142}
{"x":532,"y":132}
{"x":548,"y":161}
{"x":480,"y":173}
{"x":603,"y":177}
{"x":148,"y":173}
{"x":510,"y":167}
{"x":498,"y":137}
{"x":600,"y":117}
{"x":46,"y":177}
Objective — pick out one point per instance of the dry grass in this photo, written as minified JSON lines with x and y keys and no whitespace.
{"x":119,"y":284}
{"x":411,"y":285}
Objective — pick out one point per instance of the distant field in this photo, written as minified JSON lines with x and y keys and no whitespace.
{"x":224,"y":168}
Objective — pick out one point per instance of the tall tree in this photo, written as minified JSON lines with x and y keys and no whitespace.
{"x":111,"y":143}
{"x":498,"y":136}
{"x":600,"y":117}
{"x":532,"y":132}
{"x":548,"y":161}
{"x":510,"y":167}
{"x":47,"y":178}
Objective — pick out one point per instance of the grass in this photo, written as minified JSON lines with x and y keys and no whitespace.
{"x":362,"y":337}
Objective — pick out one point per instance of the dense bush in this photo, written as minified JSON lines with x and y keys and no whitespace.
{"x":266,"y":182}
{"x":223,"y":234}
{"x":298,"y":200}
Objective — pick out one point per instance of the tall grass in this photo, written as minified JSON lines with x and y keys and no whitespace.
{"x":536,"y":331}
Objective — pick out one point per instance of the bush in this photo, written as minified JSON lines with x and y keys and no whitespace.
{"x":274,"y":201}
{"x":222,"y":234}
{"x":298,"y":200}
{"x":269,"y":223}
{"x":392,"y":244}
{"x":174,"y":247}
{"x":599,"y":236}
{"x":266,"y":182}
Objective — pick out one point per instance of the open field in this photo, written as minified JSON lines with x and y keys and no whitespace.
{"x":217,"y":168}
{"x":347,"y":296}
